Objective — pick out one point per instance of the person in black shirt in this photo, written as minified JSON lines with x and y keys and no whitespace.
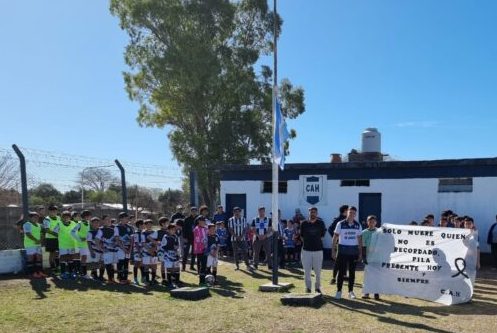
{"x":178,"y":214}
{"x":312,"y":232}
{"x":187,"y":234}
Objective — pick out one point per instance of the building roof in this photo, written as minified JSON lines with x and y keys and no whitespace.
{"x":452,"y":168}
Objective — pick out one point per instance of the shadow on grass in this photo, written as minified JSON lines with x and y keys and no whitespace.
{"x":84,"y":285}
{"x":40,"y":287}
{"x":228,"y":288}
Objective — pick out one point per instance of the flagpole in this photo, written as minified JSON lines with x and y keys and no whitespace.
{"x":274,"y":205}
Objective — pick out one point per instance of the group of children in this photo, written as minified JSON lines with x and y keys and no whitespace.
{"x":78,"y":243}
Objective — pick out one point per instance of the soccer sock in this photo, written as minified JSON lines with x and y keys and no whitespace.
{"x":170,"y":278}
{"x":154,"y":274}
{"x":214,"y":273}
{"x":63,"y":267}
{"x":70,"y":266}
{"x":146,"y":274}
{"x":110,"y":272}
{"x":29,"y":268}
{"x":120,"y":267}
{"x":84,"y":269}
{"x":142,"y":271}
{"x":163,"y":274}
{"x":126,"y":269}
{"x":101,"y":272}
{"x":77,"y":265}
{"x":135,"y":272}
{"x":94,"y":273}
{"x":38,"y":266}
{"x":57,"y":262}
{"x":176,"y":277}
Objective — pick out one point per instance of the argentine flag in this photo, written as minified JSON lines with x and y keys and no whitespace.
{"x":280,"y":136}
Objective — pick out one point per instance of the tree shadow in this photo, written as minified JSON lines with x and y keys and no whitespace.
{"x":228,"y":288}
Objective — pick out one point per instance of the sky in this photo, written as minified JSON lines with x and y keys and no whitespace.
{"x":423,"y":72}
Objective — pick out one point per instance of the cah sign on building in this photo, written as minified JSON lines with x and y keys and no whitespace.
{"x":313,"y":189}
{"x":435,"y":264}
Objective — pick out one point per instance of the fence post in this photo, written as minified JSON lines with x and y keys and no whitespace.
{"x":123,"y":186}
{"x":24,"y":182}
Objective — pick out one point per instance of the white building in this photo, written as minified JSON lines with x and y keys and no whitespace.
{"x":397,"y":192}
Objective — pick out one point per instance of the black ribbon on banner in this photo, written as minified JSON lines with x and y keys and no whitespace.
{"x":460,"y":271}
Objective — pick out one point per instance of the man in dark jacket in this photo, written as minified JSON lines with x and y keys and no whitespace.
{"x":492,"y":241}
{"x":331,"y":230}
{"x":187,"y":234}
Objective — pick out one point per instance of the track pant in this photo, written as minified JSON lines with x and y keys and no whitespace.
{"x":258,"y":246}
{"x":342,"y":261}
{"x":240,"y":246}
{"x":202,"y":267}
{"x":494,"y":253}
{"x":187,"y":248}
{"x":312,"y":260}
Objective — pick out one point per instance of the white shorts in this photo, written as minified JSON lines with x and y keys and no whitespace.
{"x":171,"y":264}
{"x":35,"y":250}
{"x":84,"y":252}
{"x":110,"y":258}
{"x":211,"y":261}
{"x":66,"y":252}
{"x":150,"y":260}
{"x":121,"y":255}
{"x":97,"y":259}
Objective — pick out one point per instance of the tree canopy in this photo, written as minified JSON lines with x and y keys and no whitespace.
{"x":193,"y":69}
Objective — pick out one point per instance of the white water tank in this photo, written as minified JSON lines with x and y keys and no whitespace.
{"x":371,"y":141}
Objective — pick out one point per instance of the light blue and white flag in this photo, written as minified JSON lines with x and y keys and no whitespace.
{"x":280,"y":136}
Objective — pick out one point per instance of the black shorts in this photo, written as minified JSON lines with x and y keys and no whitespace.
{"x":51,"y":244}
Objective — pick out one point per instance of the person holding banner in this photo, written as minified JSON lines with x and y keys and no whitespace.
{"x":366,"y":240}
{"x":312,"y":232}
{"x":348,"y":237}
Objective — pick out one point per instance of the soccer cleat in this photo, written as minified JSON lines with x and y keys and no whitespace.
{"x":308,"y":290}
{"x":318,"y":291}
{"x":338,"y":295}
{"x":351,"y":295}
{"x":376,"y":296}
{"x":365,"y":296}
{"x":333,"y":281}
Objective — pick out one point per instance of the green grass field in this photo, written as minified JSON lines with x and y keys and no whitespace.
{"x":236,"y":306}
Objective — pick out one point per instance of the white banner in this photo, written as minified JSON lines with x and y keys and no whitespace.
{"x":435,"y":264}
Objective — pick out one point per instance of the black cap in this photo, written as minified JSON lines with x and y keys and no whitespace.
{"x":193,"y":208}
{"x":171,"y":225}
{"x":93,"y":219}
{"x":123,"y":215}
{"x":237,"y":208}
{"x":179,"y":222}
{"x":85,"y":213}
{"x":52,"y":207}
{"x":75,"y":213}
{"x":31,"y":214}
{"x":313,"y":208}
{"x":66,"y":213}
{"x":200,"y":218}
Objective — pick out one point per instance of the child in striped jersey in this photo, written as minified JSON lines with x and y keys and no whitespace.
{"x":138,"y":241}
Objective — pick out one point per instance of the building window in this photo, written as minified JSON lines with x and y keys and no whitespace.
{"x":354,"y":182}
{"x":455,"y":185}
{"x":267,"y":187}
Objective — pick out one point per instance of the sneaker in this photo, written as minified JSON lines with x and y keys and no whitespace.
{"x":136,"y":282}
{"x":164,"y":282}
{"x":351,"y":295}
{"x":338,"y":295}
{"x":333,"y":281}
{"x":307,"y":290}
{"x":365,"y":296}
{"x":376,"y":296}
{"x":111,"y":281}
{"x":85,"y":277}
{"x":318,"y":291}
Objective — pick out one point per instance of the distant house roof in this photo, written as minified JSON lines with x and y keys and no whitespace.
{"x":476,"y":167}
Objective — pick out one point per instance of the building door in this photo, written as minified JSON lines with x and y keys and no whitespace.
{"x":236,"y":200}
{"x":369,"y":204}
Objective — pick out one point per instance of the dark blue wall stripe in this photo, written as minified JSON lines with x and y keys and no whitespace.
{"x":486,"y":167}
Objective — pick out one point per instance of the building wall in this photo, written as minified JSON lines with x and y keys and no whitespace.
{"x":403,"y":200}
